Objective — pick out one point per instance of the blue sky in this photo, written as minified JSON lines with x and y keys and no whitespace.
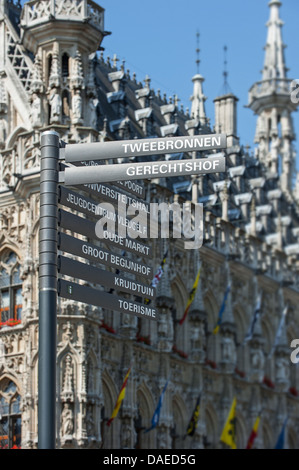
{"x":158,"y":38}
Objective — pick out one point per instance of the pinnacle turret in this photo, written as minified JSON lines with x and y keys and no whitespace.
{"x":270,"y":100}
{"x":274,"y":65}
{"x":198,"y":98}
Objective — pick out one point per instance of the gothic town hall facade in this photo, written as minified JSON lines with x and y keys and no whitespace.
{"x":54,"y":75}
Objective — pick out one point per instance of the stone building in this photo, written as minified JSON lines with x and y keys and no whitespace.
{"x":54,"y":75}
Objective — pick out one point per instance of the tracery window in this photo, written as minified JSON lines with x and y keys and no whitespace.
{"x":11,"y":302}
{"x":10,"y":415}
{"x":65,"y":65}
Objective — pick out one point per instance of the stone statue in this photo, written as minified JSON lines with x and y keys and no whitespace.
{"x":282,"y":369}
{"x":89,"y":422}
{"x":92,"y":112}
{"x":3,"y":131}
{"x":228,"y":349}
{"x":125,"y":436}
{"x":67,"y":420}
{"x":56,"y":103}
{"x":36,"y":111}
{"x":77,"y":106}
{"x":257,"y":360}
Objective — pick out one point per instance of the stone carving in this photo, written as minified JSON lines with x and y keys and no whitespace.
{"x":67,"y":421}
{"x":126,"y":434}
{"x":68,"y":378}
{"x":282,"y":370}
{"x":257,"y":360}
{"x":90,"y":376}
{"x":2,"y":353}
{"x":77,"y":107}
{"x":68,"y":332}
{"x":56,"y":103}
{"x":7,"y":165}
{"x":162,"y":439}
{"x":35,"y":114}
{"x":69,"y":8}
{"x":92,"y":112}
{"x":65,"y":104}
{"x":90,"y":421}
{"x":228,"y":350}
{"x":31,"y":158}
{"x":3,"y":132}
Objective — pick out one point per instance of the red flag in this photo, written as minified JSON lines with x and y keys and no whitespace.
{"x":253,"y":433}
{"x":120,"y":398}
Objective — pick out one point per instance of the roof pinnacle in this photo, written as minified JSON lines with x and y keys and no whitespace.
{"x":197,"y":52}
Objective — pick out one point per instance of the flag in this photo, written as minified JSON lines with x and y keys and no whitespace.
{"x":280,"y":440}
{"x":228,"y":435}
{"x":194,"y":419}
{"x":279,"y":330}
{"x":253,"y":433}
{"x":156,"y":415}
{"x":191,"y":298}
{"x":221,"y":311}
{"x":120,"y":398}
{"x":256,"y":315}
{"x":158,"y":275}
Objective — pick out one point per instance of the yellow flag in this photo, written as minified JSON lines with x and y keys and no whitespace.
{"x":191,"y":298}
{"x":120,"y":398}
{"x":228,"y":435}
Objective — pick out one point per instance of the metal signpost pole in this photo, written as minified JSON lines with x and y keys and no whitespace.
{"x":48,"y":290}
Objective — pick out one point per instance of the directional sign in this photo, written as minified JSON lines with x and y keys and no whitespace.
{"x":146,"y":170}
{"x":76,"y":224}
{"x":70,"y":267}
{"x":135,"y":188}
{"x":113,"y":195}
{"x":98,"y":255}
{"x":88,"y":206}
{"x":142,"y":147}
{"x":90,"y":296}
{"x":131,"y":187}
{"x":78,"y":202}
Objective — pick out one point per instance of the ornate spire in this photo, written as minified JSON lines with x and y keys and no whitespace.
{"x":226,"y":87}
{"x":197,"y":52}
{"x":198,"y":98}
{"x":270,"y":100}
{"x":274,"y":65}
{"x":77,"y":78}
{"x":37,"y":85}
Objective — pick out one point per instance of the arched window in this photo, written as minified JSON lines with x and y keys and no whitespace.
{"x":143,"y":420}
{"x":11,"y":301}
{"x":65,"y":106}
{"x":65,"y":65}
{"x":49,"y":66}
{"x":10,"y":415}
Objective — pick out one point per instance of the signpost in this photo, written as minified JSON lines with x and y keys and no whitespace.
{"x":96,"y":254}
{"x":68,"y":267}
{"x":48,"y":290}
{"x":90,"y":207}
{"x":142,"y":147}
{"x":88,"y":295}
{"x":148,"y":170}
{"x":93,"y":177}
{"x":114,"y":196}
{"x":77,"y":224}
